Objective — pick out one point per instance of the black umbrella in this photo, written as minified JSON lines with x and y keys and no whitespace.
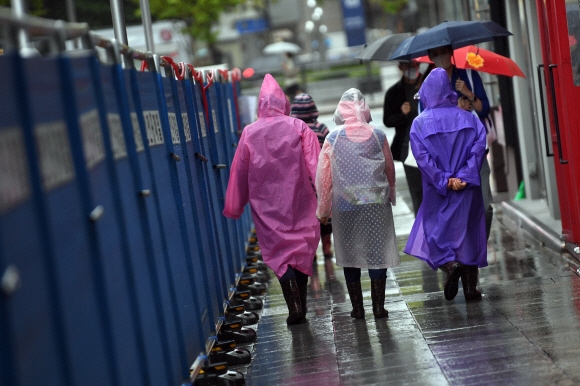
{"x":381,"y":49}
{"x":454,"y":33}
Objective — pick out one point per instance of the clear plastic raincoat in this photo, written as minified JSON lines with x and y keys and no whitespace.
{"x":355,"y":181}
{"x":274,"y":168}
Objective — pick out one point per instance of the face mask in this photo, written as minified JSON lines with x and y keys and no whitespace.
{"x":442,"y":61}
{"x":412,"y":73}
{"x":423,"y":67}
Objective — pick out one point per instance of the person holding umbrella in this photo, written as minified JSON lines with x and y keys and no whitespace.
{"x":449,"y":146}
{"x":468,"y":83}
{"x":399,"y":110}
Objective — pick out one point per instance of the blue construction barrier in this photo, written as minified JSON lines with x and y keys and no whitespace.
{"x":116,"y":263}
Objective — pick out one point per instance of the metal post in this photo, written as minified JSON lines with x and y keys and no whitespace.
{"x":19,"y":10}
{"x":71,"y":15}
{"x":119,"y":26}
{"x":146,"y":19}
{"x":71,"y":12}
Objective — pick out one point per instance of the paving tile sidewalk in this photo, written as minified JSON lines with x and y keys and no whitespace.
{"x":526,"y":330}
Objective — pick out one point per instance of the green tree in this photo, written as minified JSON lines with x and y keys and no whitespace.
{"x":391,"y":6}
{"x":200,"y":15}
{"x":97,"y":13}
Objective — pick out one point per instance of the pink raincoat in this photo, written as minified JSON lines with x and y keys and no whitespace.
{"x":274,"y":168}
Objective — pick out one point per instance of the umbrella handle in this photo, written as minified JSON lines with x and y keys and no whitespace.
{"x":555,"y":107}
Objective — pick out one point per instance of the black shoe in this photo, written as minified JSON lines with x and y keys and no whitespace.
{"x":356,"y":299}
{"x":378,"y":297}
{"x":453,"y":269}
{"x":292,"y":297}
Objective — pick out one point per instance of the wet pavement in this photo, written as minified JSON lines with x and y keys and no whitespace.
{"x":525,"y":331}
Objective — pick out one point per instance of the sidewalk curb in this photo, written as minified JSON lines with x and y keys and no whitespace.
{"x":537,"y":229}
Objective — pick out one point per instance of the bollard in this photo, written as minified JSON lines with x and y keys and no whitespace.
{"x":244,"y":335}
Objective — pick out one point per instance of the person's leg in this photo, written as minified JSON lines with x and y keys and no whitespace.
{"x":414,"y":181}
{"x":453,"y":269}
{"x":484,"y":173}
{"x":352,"y":278}
{"x":469,"y":282}
{"x":292,"y":296}
{"x":325,"y":231}
{"x":378,"y":283}
{"x":302,"y":281}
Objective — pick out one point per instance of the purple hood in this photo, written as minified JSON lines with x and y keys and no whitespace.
{"x":436,"y":91}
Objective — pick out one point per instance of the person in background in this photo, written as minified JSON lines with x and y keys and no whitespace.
{"x":468,"y":83}
{"x":449,"y":147}
{"x":291,"y":72}
{"x":355,"y":181}
{"x":399,"y":110}
{"x":274,"y":170}
{"x":304,"y":108}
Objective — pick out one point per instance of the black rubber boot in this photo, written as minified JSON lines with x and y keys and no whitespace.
{"x":378,"y":297}
{"x":302,"y":281}
{"x":356,"y":299}
{"x":292,"y":297}
{"x":453,"y":269}
{"x":469,"y":281}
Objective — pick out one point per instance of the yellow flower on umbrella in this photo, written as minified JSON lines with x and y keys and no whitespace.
{"x":474,"y":60}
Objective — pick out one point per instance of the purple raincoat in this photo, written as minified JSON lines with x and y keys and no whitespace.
{"x":448,"y":142}
{"x":274,"y":168}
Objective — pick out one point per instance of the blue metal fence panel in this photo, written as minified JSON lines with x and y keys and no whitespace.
{"x":89,"y":139}
{"x":167,"y":186}
{"x":206,"y":239}
{"x":151,"y":218}
{"x":190,"y":223}
{"x":26,"y":343}
{"x":230,"y":142}
{"x":79,"y":286}
{"x":139,"y":259}
{"x":218,"y":152}
{"x":226,"y":272}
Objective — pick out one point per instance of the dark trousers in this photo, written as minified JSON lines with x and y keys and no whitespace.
{"x":415,"y":183}
{"x":352,"y":275}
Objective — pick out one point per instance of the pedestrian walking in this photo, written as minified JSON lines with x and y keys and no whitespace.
{"x":399,"y":110}
{"x":355,"y":182}
{"x":449,"y":147}
{"x":274,"y":170}
{"x":469,"y":84}
{"x":304,"y":108}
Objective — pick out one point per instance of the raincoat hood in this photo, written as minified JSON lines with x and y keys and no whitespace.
{"x":304,"y":108}
{"x":272,"y":100}
{"x":436,"y":90}
{"x":352,"y":108}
